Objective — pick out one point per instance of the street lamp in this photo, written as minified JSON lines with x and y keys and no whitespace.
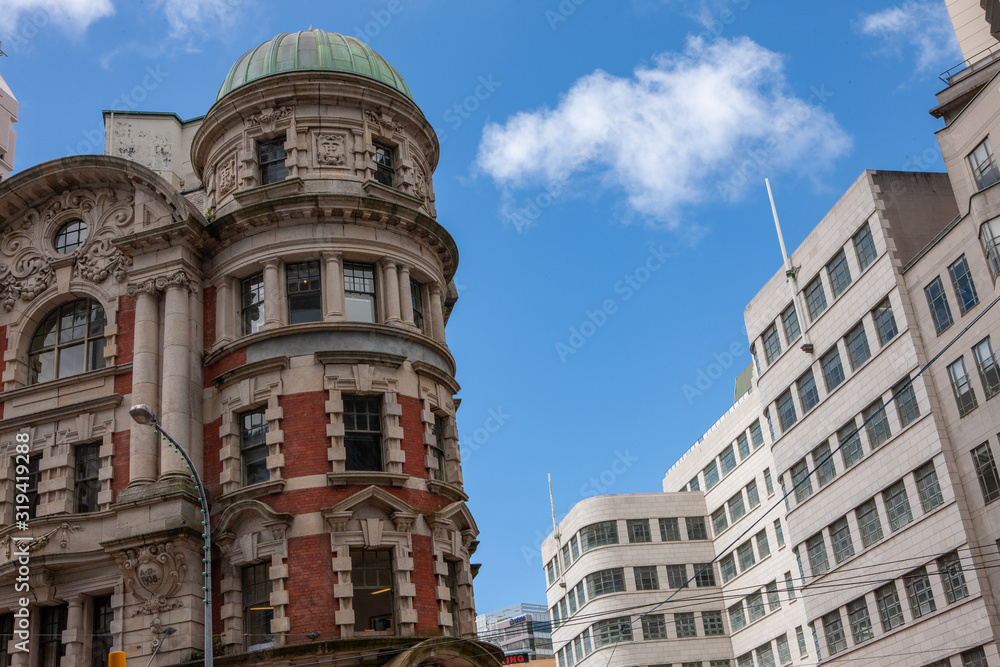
{"x":143,"y":414}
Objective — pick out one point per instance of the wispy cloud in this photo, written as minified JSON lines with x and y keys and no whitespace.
{"x":70,"y":15}
{"x":918,"y":30}
{"x":672,"y":133}
{"x":196,"y":16}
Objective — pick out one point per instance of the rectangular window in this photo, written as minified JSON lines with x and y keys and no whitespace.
{"x":753,"y":498}
{"x":372,"y":576}
{"x":801,"y":481}
{"x":772,"y":344}
{"x":638,"y":531}
{"x":840,"y":273}
{"x":676,"y":576}
{"x":773,"y":598}
{"x":864,"y":245}
{"x":861,"y":622}
{"x":305,"y":297}
{"x":719,"y":521}
{"x":897,"y":505}
{"x":779,"y":533}
{"x":438,"y":453}
{"x":965,"y":288}
{"x":728,"y":460}
{"x":770,"y":426}
{"x":685,"y":625}
{"x":645,"y":578}
{"x":826,"y":470}
{"x":417,"y":301}
{"x":790,"y":322}
{"x":763,"y":547}
{"x":711,"y":623}
{"x":876,"y":424}
{"x":984,"y":165}
{"x":808,"y":394}
{"x":833,"y":628}
{"x":693,"y":485}
{"x":736,"y":507}
{"x":833,"y":369}
{"x":654,"y":627}
{"x":451,"y":583}
{"x":755,"y":606}
{"x":858,"y":351}
{"x":271,"y":158}
{"x":711,"y":475}
{"x":599,"y":535}
{"x":696,"y":529}
{"x":850,"y":444}
{"x":612,"y":631}
{"x":574,"y":547}
{"x":840,"y":535}
{"x":384,"y":164}
{"x":918,"y":589}
{"x":768,"y":483}
{"x":252,"y":313}
{"x":50,"y":644}
{"x":88,"y":482}
{"x":257,"y":609}
{"x":765,"y":656}
{"x":737,"y":617}
{"x":566,"y":560}
{"x":937,"y":301}
{"x":605,"y":582}
{"x":885,"y":322}
{"x":756,"y":436}
{"x":7,"y":634}
{"x":869,"y":523}
{"x":816,"y":549}
{"x":746,"y":556}
{"x":961,"y":386}
{"x":952,"y":577}
{"x":889,"y":609}
{"x":359,"y":292}
{"x":784,"y":652}
{"x":801,"y":637}
{"x":928,"y":486}
{"x":986,"y":362}
{"x":745,"y":660}
{"x":815,"y":298}
{"x":101,"y":638}
{"x":786,"y":411}
{"x":670,"y":530}
{"x":705,"y":575}
{"x":550,"y":571}
{"x":253,"y":447}
{"x":728,"y":567}
{"x":906,"y":402}
{"x":986,"y":471}
{"x":989,"y":236}
{"x":974,"y":658}
{"x":743,"y":445}
{"x":363,"y":432}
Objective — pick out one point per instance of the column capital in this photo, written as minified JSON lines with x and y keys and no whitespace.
{"x":159,"y":284}
{"x":388,"y":263}
{"x":435,"y":288}
{"x":331,"y":255}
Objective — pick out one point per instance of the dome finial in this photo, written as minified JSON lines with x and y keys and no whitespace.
{"x":310,"y":26}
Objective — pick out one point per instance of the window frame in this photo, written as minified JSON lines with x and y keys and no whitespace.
{"x":259,"y":580}
{"x":984,"y":166}
{"x":937,"y":302}
{"x":772,"y":344}
{"x":356,"y":440}
{"x":92,"y":340}
{"x":964,"y":285}
{"x":68,"y":239}
{"x":858,"y":350}
{"x":252,"y":303}
{"x":987,"y":366}
{"x":790,"y":324}
{"x":839,"y":273}
{"x":897,"y":505}
{"x":360,"y":291}
{"x":986,"y":472}
{"x":833,"y":368}
{"x":863,"y":240}
{"x":806,"y":386}
{"x":384,"y":161}
{"x":304,"y":304}
{"x":87,"y":478}
{"x":815,"y":294}
{"x":271,"y":153}
{"x":253,"y":453}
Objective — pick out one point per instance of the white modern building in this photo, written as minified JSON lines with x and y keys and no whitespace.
{"x":520,"y":630}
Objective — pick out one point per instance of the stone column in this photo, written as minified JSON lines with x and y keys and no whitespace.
{"x":435,"y":316}
{"x":176,"y":417}
{"x":405,"y":300}
{"x":272,"y":294}
{"x":392,"y":291}
{"x":143,"y":448}
{"x":74,"y":634}
{"x":225,"y":308}
{"x":334,"y":286}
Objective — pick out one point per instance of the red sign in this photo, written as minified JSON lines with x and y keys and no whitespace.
{"x":515,"y":659}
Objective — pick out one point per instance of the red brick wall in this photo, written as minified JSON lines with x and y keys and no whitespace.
{"x":304,"y":425}
{"x":425,"y":581}
{"x":210,"y":451}
{"x":234,"y":359}
{"x":126,"y":329}
{"x":120,"y":461}
{"x":413,"y":437}
{"x":123,"y":384}
{"x":311,"y":604}
{"x":208,"y":316}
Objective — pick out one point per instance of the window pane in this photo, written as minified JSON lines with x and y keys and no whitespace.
{"x":869,"y":523}
{"x":889,"y":608}
{"x":705,"y":576}
{"x":833,"y":369}
{"x":801,"y":481}
{"x":826,"y":470}
{"x":937,"y":301}
{"x":599,"y":535}
{"x":850,"y":444}
{"x":363,"y":432}
{"x":252,"y":314}
{"x":359,"y":292}
{"x":711,"y":622}
{"x":772,"y":344}
{"x":833,"y":628}
{"x":755,"y":435}
{"x":654,"y":627}
{"x":786,"y":411}
{"x":808,"y":394}
{"x":676,"y":576}
{"x":865,"y":246}
{"x":840,"y":273}
{"x":927,"y":485}
{"x":372,"y":576}
{"x":840,"y":535}
{"x":638,"y":530}
{"x":711,"y":475}
{"x":876,"y":424}
{"x":986,"y":363}
{"x":965,"y":288}
{"x":743,"y":445}
{"x":753,"y":498}
{"x":88,"y":483}
{"x":816,"y":549}
{"x":728,"y":460}
{"x":861,"y":624}
{"x":961,"y":386}
{"x":303,"y":292}
{"x":696,"y":529}
{"x":670,"y":530}
{"x":906,"y":402}
{"x":645,"y":578}
{"x":897,"y":505}
{"x":271,"y":157}
{"x":952,"y":577}
{"x":755,"y":606}
{"x":253,"y":447}
{"x":763,"y":547}
{"x":989,"y":235}
{"x":685,"y":625}
{"x":815,"y":298}
{"x":986,"y":471}
{"x":918,"y":589}
{"x":858,"y":351}
{"x":983,"y":165}
{"x":719,"y":521}
{"x":736,"y":507}
{"x":746,"y":556}
{"x":790,"y":322}
{"x":885,"y":322}
{"x":728,"y":567}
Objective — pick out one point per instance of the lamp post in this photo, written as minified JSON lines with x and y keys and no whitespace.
{"x":143,"y":414}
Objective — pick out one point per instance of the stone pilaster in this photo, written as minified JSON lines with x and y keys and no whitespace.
{"x":144,"y":449}
{"x":406,"y":301}
{"x":176,"y":417}
{"x":272,"y":294}
{"x":393,"y":293}
{"x":334,"y":285}
{"x":435,"y":316}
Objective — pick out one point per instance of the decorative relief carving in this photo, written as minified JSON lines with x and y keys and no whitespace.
{"x":420,"y":185}
{"x":383,"y":120}
{"x":267,"y":118}
{"x":330,"y":149}
{"x":160,"y":283}
{"x":40,"y":542}
{"x":153,"y":573}
{"x":226,"y":179}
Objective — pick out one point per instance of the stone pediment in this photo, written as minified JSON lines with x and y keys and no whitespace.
{"x":399,"y":511}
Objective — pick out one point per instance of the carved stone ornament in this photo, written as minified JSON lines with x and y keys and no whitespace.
{"x":226,"y":179}
{"x":26,"y":257}
{"x":160,"y":283}
{"x":16,"y":544}
{"x":420,"y":188}
{"x":153,"y":573}
{"x":267,"y":118}
{"x":383,"y":120}
{"x":330,"y":149}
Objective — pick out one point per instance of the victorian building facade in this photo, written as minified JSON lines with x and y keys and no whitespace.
{"x":271,"y":279}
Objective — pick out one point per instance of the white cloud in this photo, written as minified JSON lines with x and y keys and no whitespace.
{"x":197,"y":16}
{"x":916,"y":29}
{"x":73,"y":15}
{"x":692,"y":127}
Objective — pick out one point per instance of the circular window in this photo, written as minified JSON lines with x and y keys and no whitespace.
{"x":70,"y":237}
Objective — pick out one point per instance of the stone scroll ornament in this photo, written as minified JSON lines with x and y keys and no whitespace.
{"x":153,"y":573}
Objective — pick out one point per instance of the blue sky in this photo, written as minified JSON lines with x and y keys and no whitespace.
{"x":602,"y":173}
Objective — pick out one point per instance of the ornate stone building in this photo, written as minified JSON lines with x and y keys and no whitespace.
{"x":272,"y":280}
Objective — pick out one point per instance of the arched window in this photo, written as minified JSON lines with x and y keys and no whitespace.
{"x":69,"y":341}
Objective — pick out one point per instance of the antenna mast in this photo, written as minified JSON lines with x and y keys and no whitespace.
{"x":791,"y":273}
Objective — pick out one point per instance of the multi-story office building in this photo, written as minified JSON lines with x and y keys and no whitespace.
{"x":272,"y":280}
{"x":851,"y":493}
{"x":521,"y":630}
{"x":8,"y":137}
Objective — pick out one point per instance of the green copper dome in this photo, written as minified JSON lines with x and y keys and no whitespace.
{"x":311,"y":50}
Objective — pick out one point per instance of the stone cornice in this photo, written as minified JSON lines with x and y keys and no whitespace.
{"x":54,"y":414}
{"x":433,"y":372}
{"x":352,"y":357}
{"x":249,"y":370}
